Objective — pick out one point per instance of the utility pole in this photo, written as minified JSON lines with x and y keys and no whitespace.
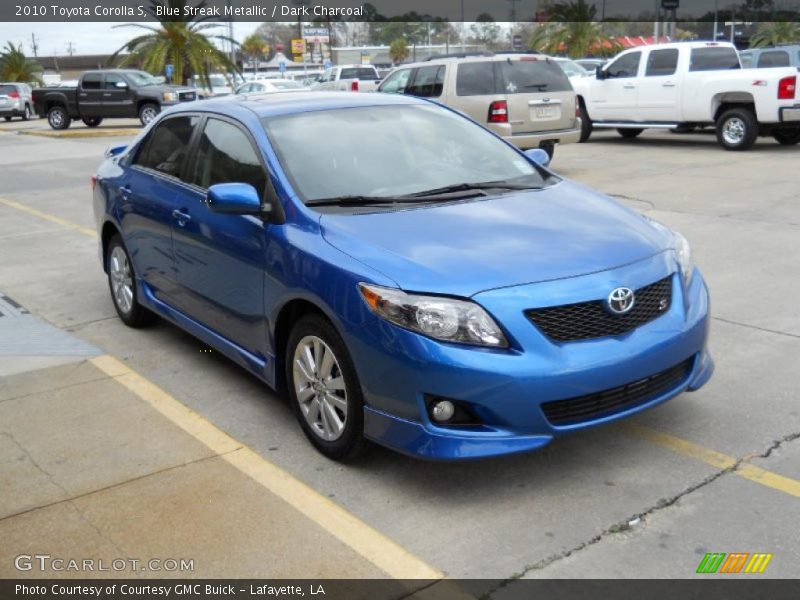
{"x":34,"y":45}
{"x":70,"y":48}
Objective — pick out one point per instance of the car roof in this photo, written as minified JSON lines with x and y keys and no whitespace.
{"x":293,"y":102}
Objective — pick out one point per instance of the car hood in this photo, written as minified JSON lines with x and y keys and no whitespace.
{"x":468,"y":247}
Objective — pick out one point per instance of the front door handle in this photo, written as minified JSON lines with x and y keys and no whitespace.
{"x":125,"y":191}
{"x":629,"y":86}
{"x":668,"y":84}
{"x":181,"y":216}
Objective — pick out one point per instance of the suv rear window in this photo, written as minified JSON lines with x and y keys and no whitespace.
{"x":714,"y":59}
{"x":7,"y":89}
{"x":358,"y":73}
{"x":510,"y":77}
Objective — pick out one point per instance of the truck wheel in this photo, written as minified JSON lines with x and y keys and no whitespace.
{"x":92,"y":121}
{"x":26,"y":116}
{"x":629,"y":133}
{"x":787,"y":138}
{"x":58,"y":117}
{"x":148,"y":112}
{"x":7,"y":119}
{"x":586,"y":123}
{"x":737,"y":129}
{"x":549,"y":147}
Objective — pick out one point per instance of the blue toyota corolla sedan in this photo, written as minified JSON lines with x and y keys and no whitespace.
{"x":406,"y":276}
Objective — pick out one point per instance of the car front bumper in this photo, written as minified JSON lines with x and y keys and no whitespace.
{"x":399,"y":369}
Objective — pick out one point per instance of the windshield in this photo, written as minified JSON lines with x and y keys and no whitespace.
{"x":714,"y":59}
{"x":391,"y":151}
{"x":140,"y":78}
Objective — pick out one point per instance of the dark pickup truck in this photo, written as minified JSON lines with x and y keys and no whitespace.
{"x":110,"y":93}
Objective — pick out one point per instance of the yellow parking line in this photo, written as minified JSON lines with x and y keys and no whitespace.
{"x":48,"y":217}
{"x":717,"y":459}
{"x":381,"y":551}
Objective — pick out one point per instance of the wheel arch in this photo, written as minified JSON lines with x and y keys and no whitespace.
{"x":728,"y":100}
{"x":108,"y":231}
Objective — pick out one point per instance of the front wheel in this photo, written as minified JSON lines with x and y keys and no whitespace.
{"x":787,"y":138}
{"x":58,"y":118}
{"x":147,"y":113}
{"x":324,"y":389}
{"x":629,"y":133}
{"x":122,"y":283}
{"x":26,"y":116}
{"x":92,"y":121}
{"x":7,"y":119}
{"x":737,"y":129}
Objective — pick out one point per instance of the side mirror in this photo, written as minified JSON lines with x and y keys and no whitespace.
{"x":539,"y":156}
{"x":121,"y":85}
{"x":600,"y":73}
{"x":234,"y":199}
{"x":115,"y":150}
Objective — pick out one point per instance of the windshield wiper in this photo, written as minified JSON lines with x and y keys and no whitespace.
{"x":357,"y":200}
{"x":481,"y":185}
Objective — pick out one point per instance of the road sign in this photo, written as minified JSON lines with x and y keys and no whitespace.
{"x":316,"y":35}
{"x":282,"y":66}
{"x":298,"y":46}
{"x":327,"y":64}
{"x":670,"y":4}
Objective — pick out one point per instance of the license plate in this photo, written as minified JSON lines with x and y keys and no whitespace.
{"x":541,"y":113}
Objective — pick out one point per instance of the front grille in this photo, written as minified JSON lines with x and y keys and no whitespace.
{"x":587,"y":320}
{"x":614,"y":400}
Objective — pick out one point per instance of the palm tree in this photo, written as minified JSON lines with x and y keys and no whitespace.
{"x":15,"y":66}
{"x":571,"y":30}
{"x":179,"y":41}
{"x":398,"y":50}
{"x":772,"y":34}
{"x":254,"y":47}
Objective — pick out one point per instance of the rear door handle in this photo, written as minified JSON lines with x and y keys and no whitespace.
{"x":668,"y":84}
{"x":181,"y":216}
{"x":629,"y":86}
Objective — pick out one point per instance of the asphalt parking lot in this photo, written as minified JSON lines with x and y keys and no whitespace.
{"x":713,"y":471}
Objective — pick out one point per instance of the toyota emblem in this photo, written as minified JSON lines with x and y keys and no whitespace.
{"x":621,"y":300}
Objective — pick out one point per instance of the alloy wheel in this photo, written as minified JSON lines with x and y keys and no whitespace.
{"x":119,"y":271}
{"x":320,"y":388}
{"x":148,"y":114}
{"x":56,"y":118}
{"x":733,"y":131}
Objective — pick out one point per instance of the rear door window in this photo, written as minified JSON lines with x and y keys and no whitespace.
{"x":226,"y":155}
{"x":476,"y":79}
{"x":774,"y":58}
{"x":625,"y":66}
{"x":166,"y":148}
{"x":428,"y":82}
{"x":714,"y":59}
{"x":92,"y":81}
{"x":531,"y":76}
{"x":662,"y":62}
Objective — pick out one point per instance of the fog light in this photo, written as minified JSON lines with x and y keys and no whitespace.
{"x":442,"y":411}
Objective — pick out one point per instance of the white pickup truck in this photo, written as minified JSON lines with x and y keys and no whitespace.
{"x":349,"y":78}
{"x":691,"y":84}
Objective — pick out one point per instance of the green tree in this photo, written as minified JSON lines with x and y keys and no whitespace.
{"x":771,"y":34}
{"x":15,"y":66}
{"x":181,"y":41}
{"x":571,"y":30}
{"x":485,"y":31}
{"x":254,"y":47}
{"x":398,"y":50}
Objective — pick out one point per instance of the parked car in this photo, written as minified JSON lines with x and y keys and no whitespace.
{"x":349,"y":78}
{"x":525,"y":99}
{"x":591,"y":64}
{"x":111,"y":93}
{"x":16,"y":101}
{"x":407,"y":276}
{"x":773,"y":56}
{"x":220,"y":84}
{"x":571,"y":68}
{"x":691,"y":84}
{"x":271,"y":85}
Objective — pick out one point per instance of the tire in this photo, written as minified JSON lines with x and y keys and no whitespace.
{"x":310,"y":391}
{"x":92,"y":121}
{"x":7,"y":119}
{"x":26,"y":115}
{"x":629,"y":133}
{"x":548,"y":147}
{"x":737,"y":129}
{"x":148,"y":112}
{"x":58,"y":118}
{"x":787,"y":138}
{"x":586,"y":123}
{"x":122,"y":285}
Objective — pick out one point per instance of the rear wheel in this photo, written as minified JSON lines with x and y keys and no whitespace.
{"x":7,"y":118}
{"x":58,"y":118}
{"x":787,"y":138}
{"x":737,"y":129}
{"x":122,"y":283}
{"x":324,"y":389}
{"x":629,"y":133}
{"x":26,"y":116}
{"x":549,"y":147}
{"x":586,"y":123}
{"x":148,"y":112}
{"x":92,"y":121}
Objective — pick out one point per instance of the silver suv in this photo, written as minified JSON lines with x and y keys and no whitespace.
{"x":524,"y":98}
{"x":15,"y":101}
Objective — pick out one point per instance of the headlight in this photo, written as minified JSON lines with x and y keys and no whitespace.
{"x":441,"y":318}
{"x":683,"y":251}
{"x":170,"y":97}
